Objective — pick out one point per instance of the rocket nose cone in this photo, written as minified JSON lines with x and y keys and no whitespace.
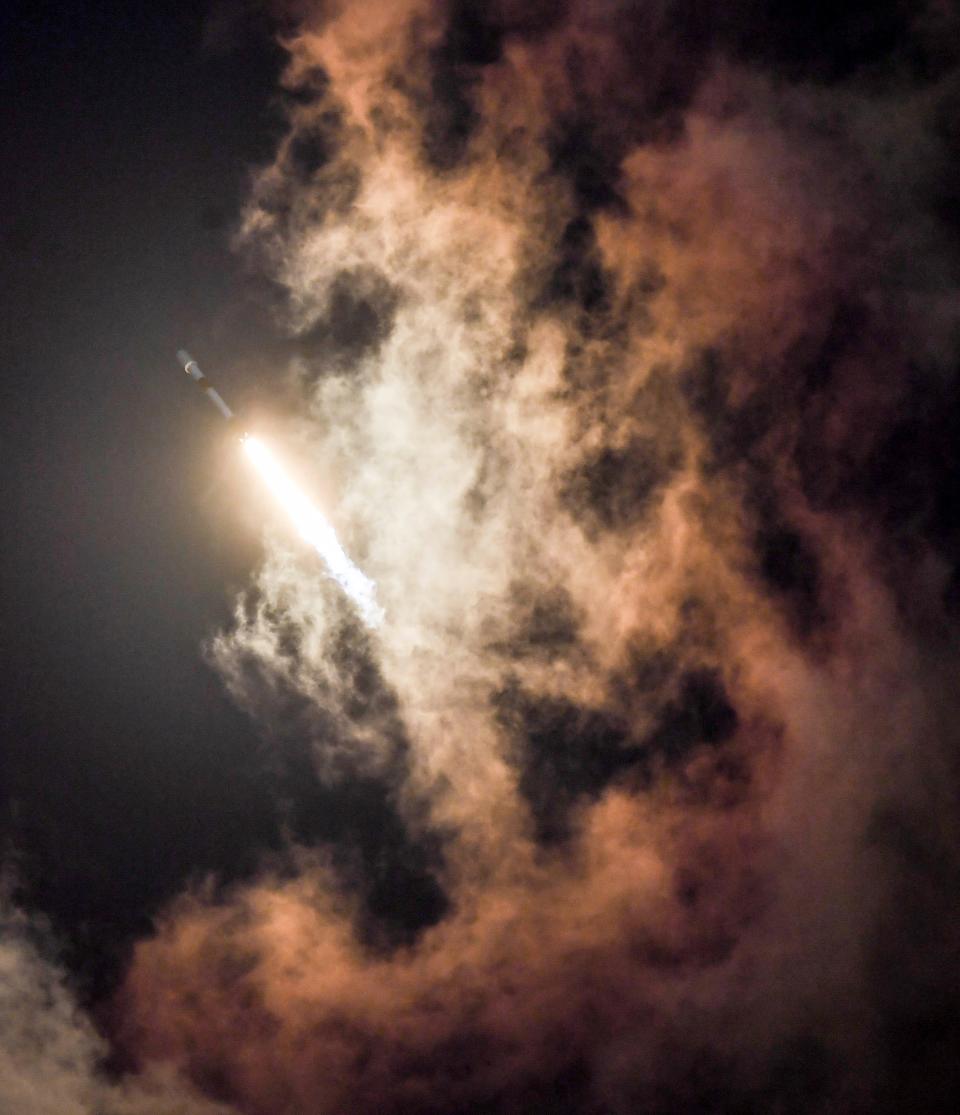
{"x":183,"y":357}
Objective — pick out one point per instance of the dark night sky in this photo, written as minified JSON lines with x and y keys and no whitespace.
{"x":623,"y":341}
{"x":128,"y":144}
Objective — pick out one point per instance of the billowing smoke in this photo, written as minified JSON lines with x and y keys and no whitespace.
{"x":51,"y":1056}
{"x":627,"y":341}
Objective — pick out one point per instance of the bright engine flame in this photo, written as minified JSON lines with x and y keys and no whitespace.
{"x":315,"y":529}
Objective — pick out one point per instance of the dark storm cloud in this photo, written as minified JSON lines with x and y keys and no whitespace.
{"x":470,"y":40}
{"x":568,"y":753}
{"x":546,"y":622}
{"x":359,"y":317}
{"x":577,"y":276}
{"x":591,"y":165}
{"x":312,"y":148}
{"x":615,"y":488}
{"x":565,"y":752}
{"x":641,"y":96}
{"x":789,"y":566}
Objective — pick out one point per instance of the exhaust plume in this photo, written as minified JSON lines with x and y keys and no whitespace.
{"x":315,"y":529}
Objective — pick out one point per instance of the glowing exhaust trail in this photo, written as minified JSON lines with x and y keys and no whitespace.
{"x":314,"y":528}
{"x":309,"y":520}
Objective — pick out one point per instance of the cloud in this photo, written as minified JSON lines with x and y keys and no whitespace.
{"x":628,"y":350}
{"x":52,"y":1057}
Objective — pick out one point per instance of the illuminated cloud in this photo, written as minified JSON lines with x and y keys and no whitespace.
{"x":628,"y":345}
{"x":51,"y":1056}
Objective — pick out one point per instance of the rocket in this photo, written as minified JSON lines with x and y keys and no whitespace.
{"x":192,"y":368}
{"x":309,"y":520}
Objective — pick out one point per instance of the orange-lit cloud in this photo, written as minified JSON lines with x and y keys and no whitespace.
{"x":608,"y":333}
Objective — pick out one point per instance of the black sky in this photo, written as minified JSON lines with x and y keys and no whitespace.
{"x":129,"y":131}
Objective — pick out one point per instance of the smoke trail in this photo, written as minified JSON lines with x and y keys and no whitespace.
{"x":634,"y":342}
{"x":315,"y":529}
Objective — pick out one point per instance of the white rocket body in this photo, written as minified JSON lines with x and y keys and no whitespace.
{"x":192,"y":368}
